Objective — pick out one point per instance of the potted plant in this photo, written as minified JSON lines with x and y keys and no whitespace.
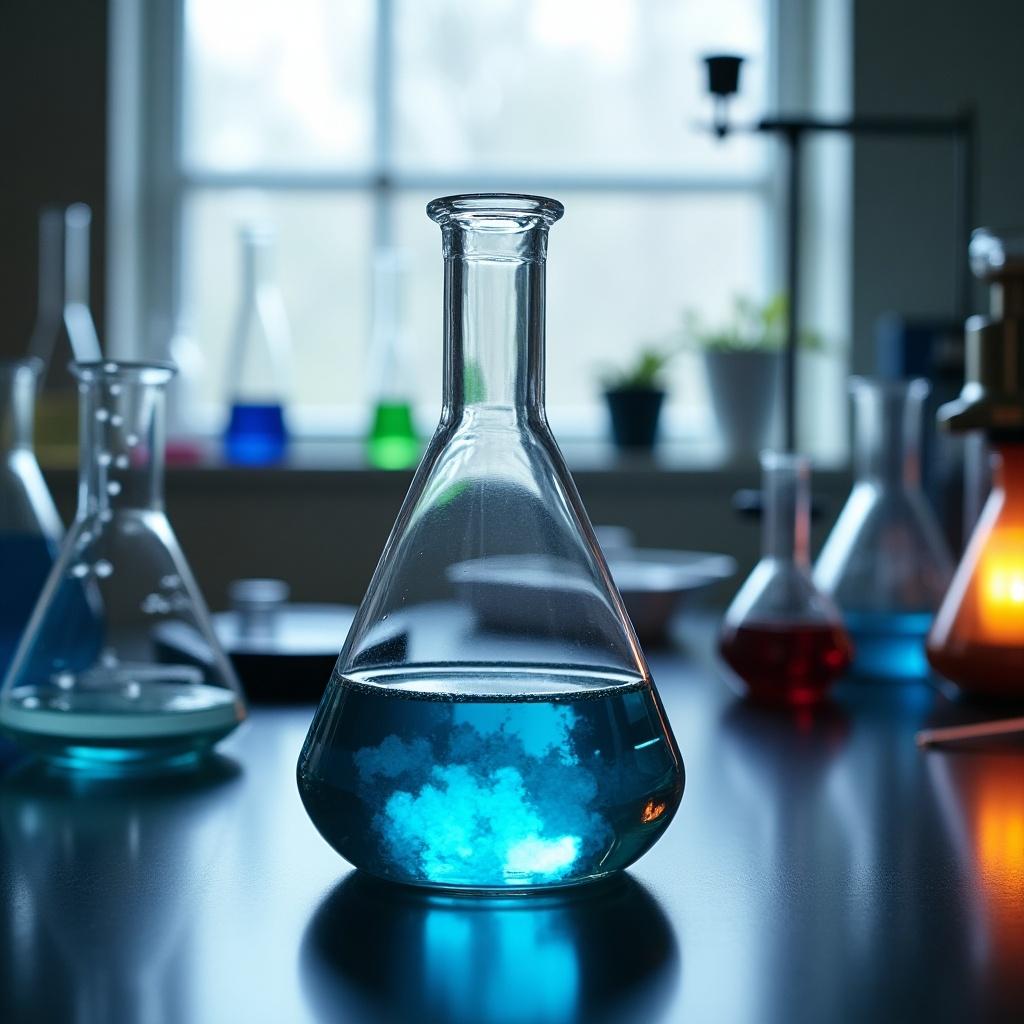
{"x":635,"y":396}
{"x":743,"y":360}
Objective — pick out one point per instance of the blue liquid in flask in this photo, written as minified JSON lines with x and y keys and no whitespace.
{"x":889,"y":645}
{"x":256,"y":434}
{"x":487,"y":781}
{"x":26,"y":560}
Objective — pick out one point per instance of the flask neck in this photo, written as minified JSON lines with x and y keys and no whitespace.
{"x":887,"y":431}
{"x":787,"y":518}
{"x":121,"y":437}
{"x":18,"y":381}
{"x":494,"y":318}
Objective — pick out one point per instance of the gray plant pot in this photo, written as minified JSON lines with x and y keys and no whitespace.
{"x":744,"y":388}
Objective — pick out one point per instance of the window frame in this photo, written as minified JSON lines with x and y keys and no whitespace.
{"x":151,"y":176}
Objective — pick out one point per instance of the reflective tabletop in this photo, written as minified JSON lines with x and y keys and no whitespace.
{"x":821,"y":868}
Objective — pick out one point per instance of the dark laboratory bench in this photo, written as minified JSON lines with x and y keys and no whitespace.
{"x":820,"y":869}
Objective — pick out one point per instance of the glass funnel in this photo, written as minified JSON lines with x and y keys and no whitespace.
{"x":89,"y":683}
{"x":491,"y":724}
{"x":30,"y":530}
{"x":885,"y":562}
{"x":260,"y":359}
{"x":781,"y":635}
{"x":977,"y":640}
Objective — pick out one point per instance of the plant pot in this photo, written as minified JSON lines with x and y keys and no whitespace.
{"x":744,"y":388}
{"x":634,"y":416}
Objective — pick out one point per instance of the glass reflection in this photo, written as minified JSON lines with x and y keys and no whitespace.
{"x":105,"y":876}
{"x":379,"y":952}
{"x":982,"y":799}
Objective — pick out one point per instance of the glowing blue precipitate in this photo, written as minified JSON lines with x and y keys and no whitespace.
{"x":482,"y":803}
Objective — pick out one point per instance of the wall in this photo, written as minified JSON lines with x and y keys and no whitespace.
{"x":929,"y":56}
{"x":53,"y":78}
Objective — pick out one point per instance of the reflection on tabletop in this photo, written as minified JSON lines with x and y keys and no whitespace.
{"x":69,"y":841}
{"x":376,"y":952}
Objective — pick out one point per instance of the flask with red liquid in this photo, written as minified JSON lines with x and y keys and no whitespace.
{"x":782,"y":636}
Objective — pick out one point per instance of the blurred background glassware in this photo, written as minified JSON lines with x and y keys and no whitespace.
{"x":260,"y":360}
{"x":392,"y":442}
{"x":64,"y":328}
{"x":87,"y":686}
{"x":184,"y":415}
{"x":977,"y":638}
{"x":477,"y":758}
{"x":30,"y":529}
{"x":782,"y":636}
{"x":885,"y":563}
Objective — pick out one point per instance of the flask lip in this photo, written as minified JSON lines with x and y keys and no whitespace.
{"x":14,"y":367}
{"x":156,"y":372}
{"x":495,"y":210}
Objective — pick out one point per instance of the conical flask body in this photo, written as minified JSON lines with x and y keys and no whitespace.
{"x":975,"y":640}
{"x":782,"y":637}
{"x":30,"y":530}
{"x":885,"y":562}
{"x":98,"y":679}
{"x":491,"y":724}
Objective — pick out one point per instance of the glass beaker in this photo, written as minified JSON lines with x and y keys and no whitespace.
{"x":89,"y":683}
{"x":782,"y":636}
{"x":392,"y":442}
{"x":485,"y":730}
{"x":260,"y":359}
{"x":30,"y":529}
{"x":977,"y":639}
{"x":886,"y":563}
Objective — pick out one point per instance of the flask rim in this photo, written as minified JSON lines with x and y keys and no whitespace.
{"x":495,"y":209}
{"x":155,"y":372}
{"x":28,"y":364}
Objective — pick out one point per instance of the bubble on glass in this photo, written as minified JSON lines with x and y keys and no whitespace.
{"x":106,"y":515}
{"x":64,"y":680}
{"x":121,"y":462}
{"x":110,"y":367}
{"x":102,"y":415}
{"x":103,"y":458}
{"x":131,"y":440}
{"x":116,"y":420}
{"x":115,"y":389}
{"x":132,"y":690}
{"x":170,"y":581}
{"x":114,"y":487}
{"x":154,"y":604}
{"x":79,"y":570}
{"x":30,"y":703}
{"x":103,"y":568}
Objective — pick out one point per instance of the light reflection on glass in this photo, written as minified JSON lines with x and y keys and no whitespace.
{"x":379,"y":952}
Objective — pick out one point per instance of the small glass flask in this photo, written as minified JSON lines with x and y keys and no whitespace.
{"x":491,"y":724}
{"x":30,"y":529}
{"x":89,"y":684}
{"x":392,"y":442}
{"x":781,"y":635}
{"x":259,"y":365}
{"x":886,"y":563}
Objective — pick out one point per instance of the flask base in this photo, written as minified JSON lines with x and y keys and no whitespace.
{"x":889,"y":646}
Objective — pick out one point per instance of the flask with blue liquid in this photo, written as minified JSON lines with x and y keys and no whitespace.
{"x":259,"y":364}
{"x":491,"y":725}
{"x":30,"y":529}
{"x":886,"y":563}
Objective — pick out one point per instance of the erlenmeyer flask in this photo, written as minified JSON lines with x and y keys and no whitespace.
{"x":89,"y":684}
{"x":392,"y":442}
{"x":260,"y":359}
{"x":30,"y":530}
{"x":885,"y":562}
{"x":491,"y":724}
{"x":781,"y":635}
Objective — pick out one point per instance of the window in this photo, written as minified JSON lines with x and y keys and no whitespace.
{"x":337,"y":121}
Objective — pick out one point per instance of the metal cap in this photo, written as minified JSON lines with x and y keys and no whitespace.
{"x":992,"y":398}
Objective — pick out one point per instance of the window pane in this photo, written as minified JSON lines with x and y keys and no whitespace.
{"x":321,"y":265}
{"x":622,"y":269}
{"x":573,"y":85}
{"x":272,"y":85}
